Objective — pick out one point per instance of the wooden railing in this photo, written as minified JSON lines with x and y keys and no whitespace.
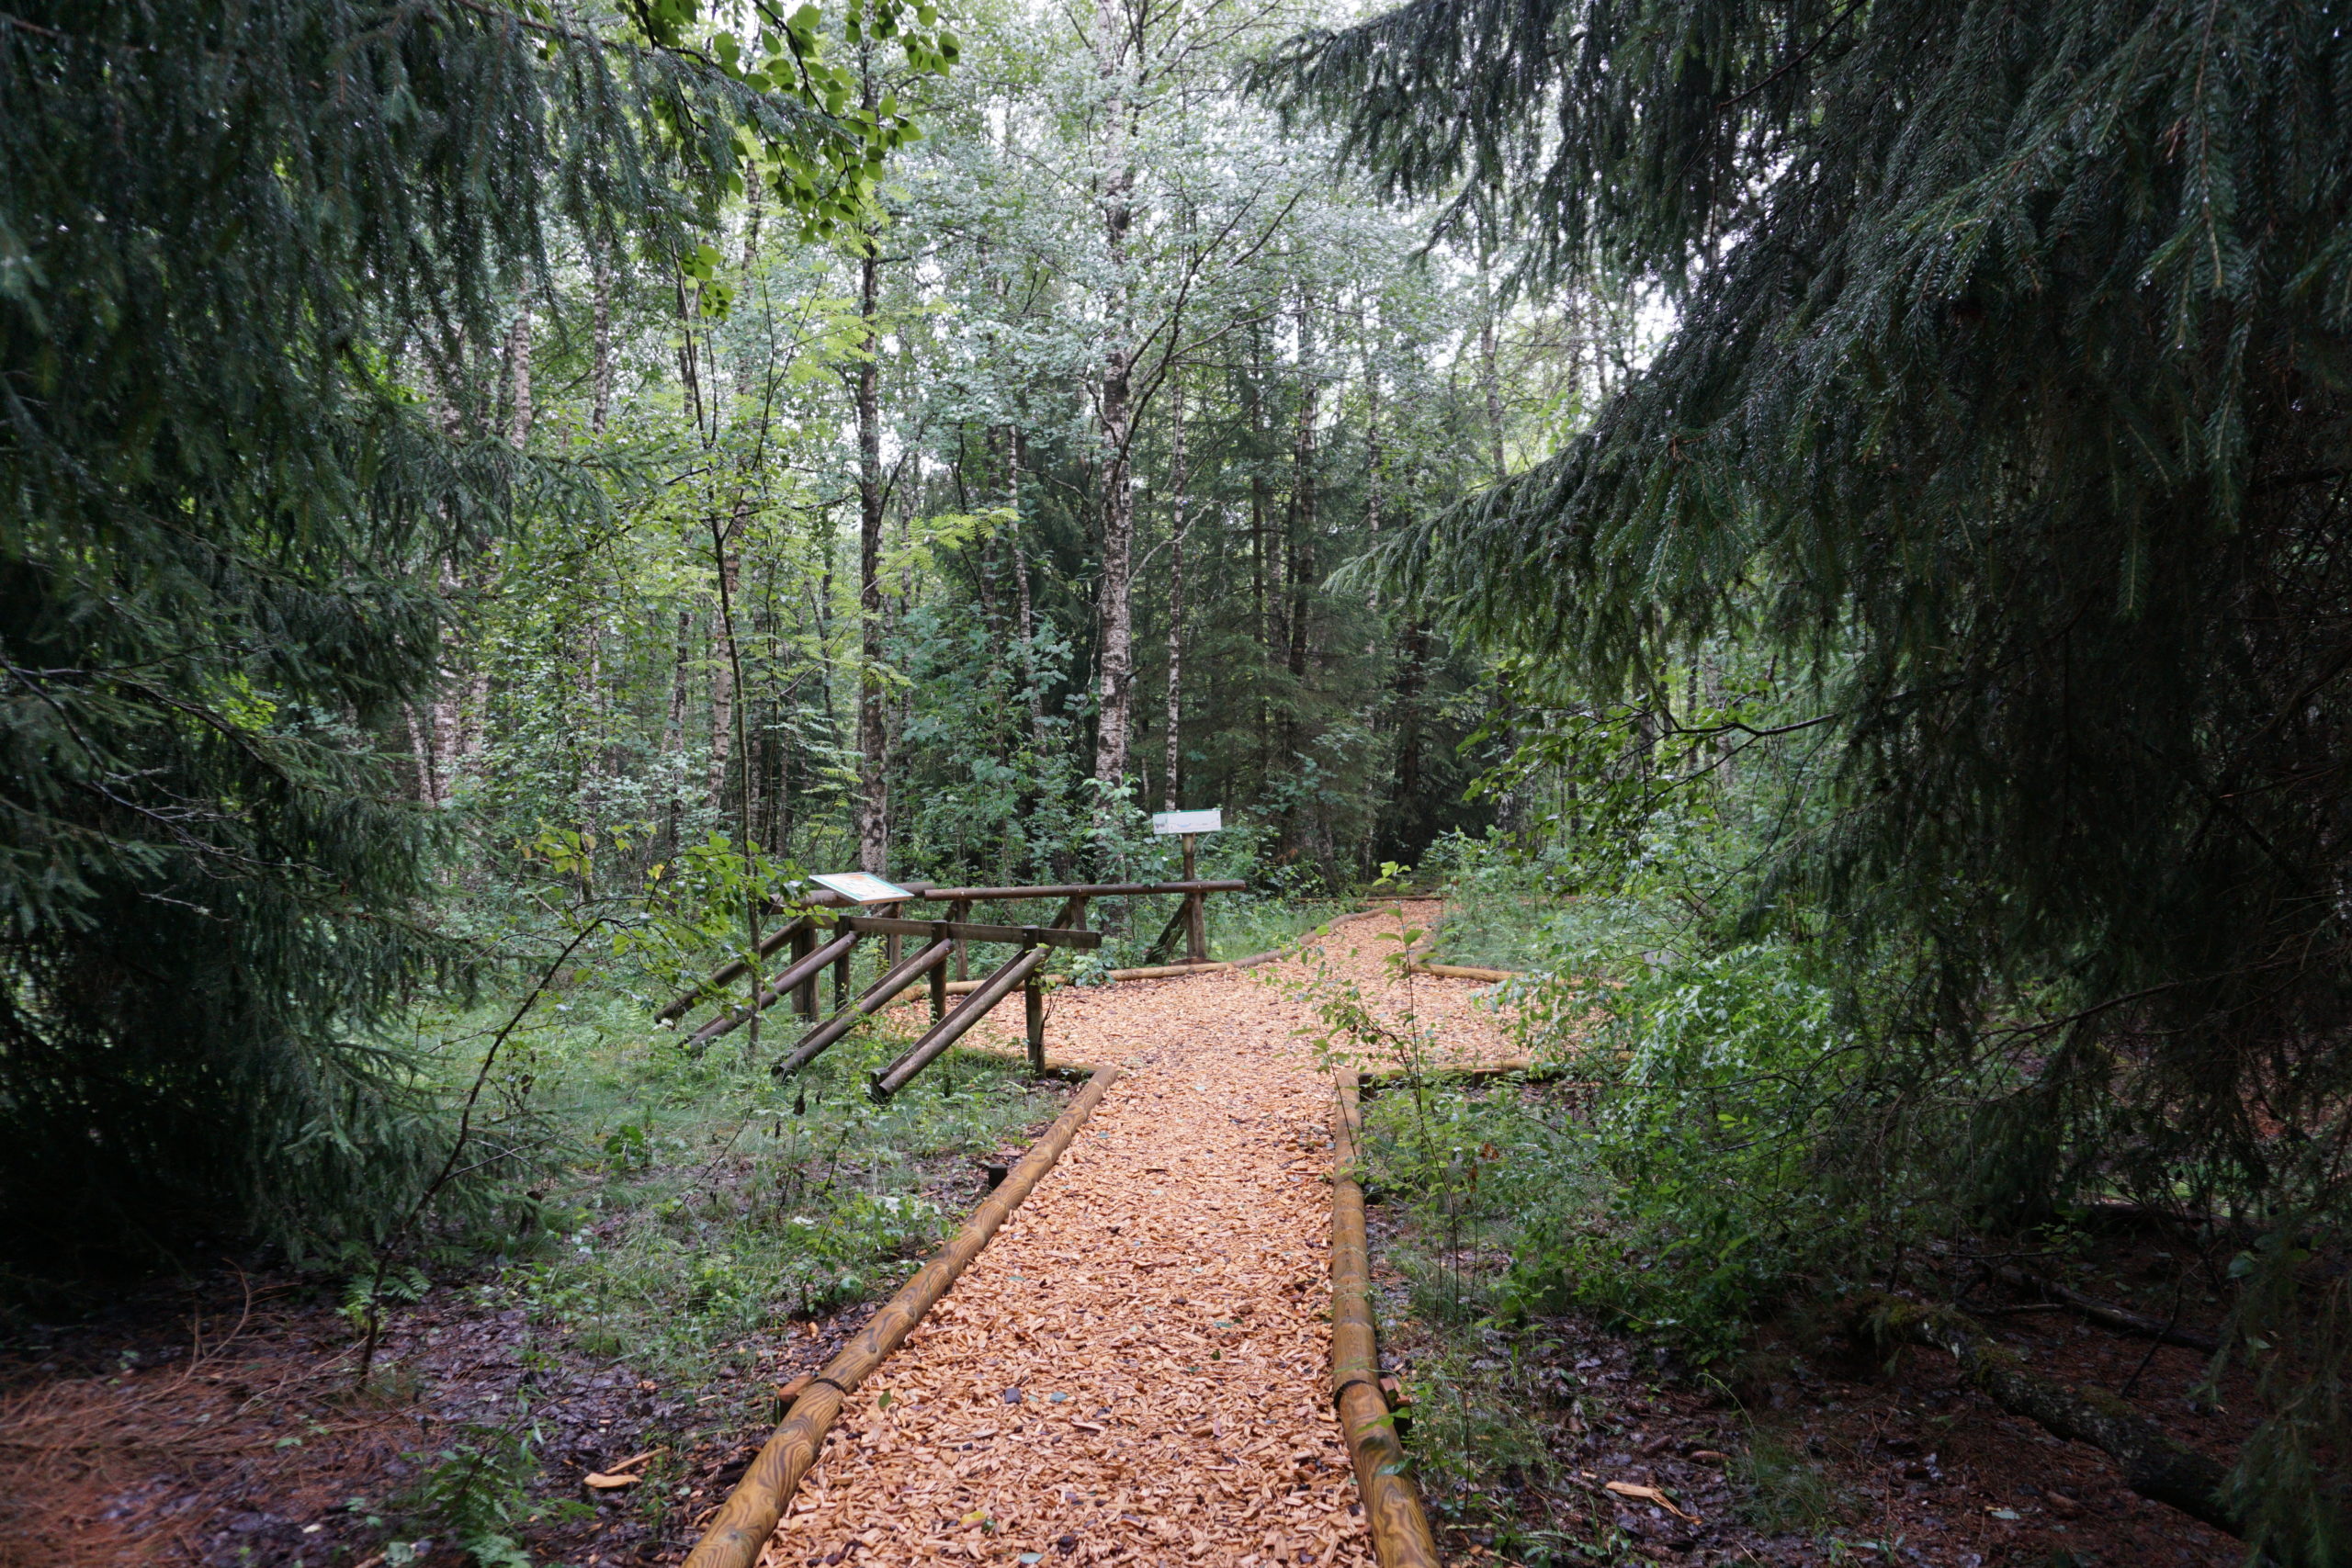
{"x":820,"y":937}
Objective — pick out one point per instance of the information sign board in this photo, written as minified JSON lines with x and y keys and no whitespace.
{"x":1209,"y":821}
{"x":863,"y":888}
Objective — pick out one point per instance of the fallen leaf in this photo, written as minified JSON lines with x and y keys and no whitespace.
{"x":1649,"y":1494}
{"x":1706,"y":1456}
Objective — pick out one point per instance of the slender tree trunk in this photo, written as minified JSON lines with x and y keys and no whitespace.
{"x":420,"y":745}
{"x":725,"y":673}
{"x":673,"y":728}
{"x":518,"y":381}
{"x":1304,"y":491}
{"x":1490,"y":362}
{"x":1178,"y":477}
{"x":873,"y":730}
{"x":1033,"y":688}
{"x":448,"y":703}
{"x":1264,"y":587}
{"x":600,"y":366}
{"x":1376,"y":496}
{"x":1411,"y":667}
{"x":1115,"y":603}
{"x":472,"y":718}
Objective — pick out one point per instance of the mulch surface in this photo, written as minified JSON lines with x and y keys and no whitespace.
{"x":1137,"y":1369}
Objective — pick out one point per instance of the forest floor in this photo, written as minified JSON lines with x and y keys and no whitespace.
{"x":1134,"y":1371}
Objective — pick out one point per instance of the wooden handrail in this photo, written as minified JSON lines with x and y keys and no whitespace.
{"x":965,"y":931}
{"x":1083,"y":890}
{"x":809,"y":907}
{"x":798,"y":973}
{"x":875,"y":998}
{"x":967,"y":1012}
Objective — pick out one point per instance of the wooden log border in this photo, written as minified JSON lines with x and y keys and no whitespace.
{"x":748,"y":1518}
{"x":1392,"y":1505}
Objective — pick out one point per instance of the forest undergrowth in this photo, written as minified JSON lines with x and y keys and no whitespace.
{"x":665,"y":1242}
{"x":1622,"y":1268}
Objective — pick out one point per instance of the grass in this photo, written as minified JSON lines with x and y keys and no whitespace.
{"x":663,"y":1206}
{"x":1240,"y":925}
{"x":1785,"y":1492}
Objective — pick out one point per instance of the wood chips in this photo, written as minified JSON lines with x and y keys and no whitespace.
{"x":1137,"y":1368}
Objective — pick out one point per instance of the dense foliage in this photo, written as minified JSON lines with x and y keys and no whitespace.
{"x":251,"y":259}
{"x":2003,"y":422}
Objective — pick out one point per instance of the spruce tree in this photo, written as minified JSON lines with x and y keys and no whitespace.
{"x":2006,"y":394}
{"x":247,"y":252}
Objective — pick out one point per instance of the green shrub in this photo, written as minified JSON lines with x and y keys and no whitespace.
{"x":1726,"y":1080}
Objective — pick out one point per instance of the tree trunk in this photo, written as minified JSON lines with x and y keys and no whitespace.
{"x":1490,"y":362}
{"x":1178,"y":476}
{"x":1375,"y":496}
{"x":1027,"y":628}
{"x":726,"y":672}
{"x":1304,"y":491}
{"x":2154,"y":1464}
{"x":1114,"y":601}
{"x":873,"y":736}
{"x":1264,"y":590}
{"x":673,"y":728}
{"x":1411,"y":664}
{"x":600,"y":365}
{"x":420,"y":745}
{"x":518,"y":381}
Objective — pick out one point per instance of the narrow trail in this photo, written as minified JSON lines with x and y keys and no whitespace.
{"x":1136,"y":1369}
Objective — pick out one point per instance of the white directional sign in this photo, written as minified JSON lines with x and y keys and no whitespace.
{"x":1209,"y":821}
{"x":863,"y":888}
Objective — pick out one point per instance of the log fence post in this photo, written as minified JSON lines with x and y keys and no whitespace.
{"x":804,"y":995}
{"x":939,"y":972}
{"x":1033,"y":1008}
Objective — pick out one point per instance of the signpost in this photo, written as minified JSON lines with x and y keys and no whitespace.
{"x":1187,"y":825}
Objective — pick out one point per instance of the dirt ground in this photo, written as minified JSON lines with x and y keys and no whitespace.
{"x":215,"y":1420}
{"x":1815,"y":1450}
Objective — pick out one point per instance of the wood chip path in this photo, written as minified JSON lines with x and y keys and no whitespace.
{"x":1137,"y":1371}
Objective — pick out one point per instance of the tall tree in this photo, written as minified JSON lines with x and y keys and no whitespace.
{"x":2004,"y":396}
{"x":224,"y":231}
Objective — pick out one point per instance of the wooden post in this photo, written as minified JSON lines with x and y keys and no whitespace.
{"x":1032,"y":1006}
{"x":939,"y":982}
{"x":840,"y":982}
{"x":890,"y":944}
{"x":804,"y":995}
{"x":960,"y":910}
{"x":1196,"y":925}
